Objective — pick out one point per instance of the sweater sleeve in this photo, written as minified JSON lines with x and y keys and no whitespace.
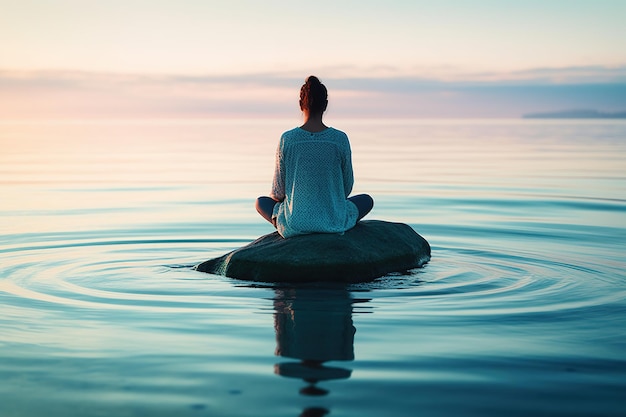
{"x":348,"y":175}
{"x":278,"y":184}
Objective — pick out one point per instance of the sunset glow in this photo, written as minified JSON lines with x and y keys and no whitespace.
{"x":77,"y":59}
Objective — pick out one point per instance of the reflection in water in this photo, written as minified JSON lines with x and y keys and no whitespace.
{"x":314,"y":326}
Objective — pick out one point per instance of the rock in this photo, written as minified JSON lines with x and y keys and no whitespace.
{"x":369,"y":250}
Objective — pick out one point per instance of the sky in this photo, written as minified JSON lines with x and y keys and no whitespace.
{"x":244,"y":58}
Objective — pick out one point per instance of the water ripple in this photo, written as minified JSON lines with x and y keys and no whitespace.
{"x":132,"y":275}
{"x":461,"y":282}
{"x":108,"y":274}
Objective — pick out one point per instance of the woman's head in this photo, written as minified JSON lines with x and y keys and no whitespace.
{"x":313,"y":96}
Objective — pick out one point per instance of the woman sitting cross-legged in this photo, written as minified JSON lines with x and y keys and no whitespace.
{"x":313,"y":175}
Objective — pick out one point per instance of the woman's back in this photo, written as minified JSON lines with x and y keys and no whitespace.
{"x":313,"y":179}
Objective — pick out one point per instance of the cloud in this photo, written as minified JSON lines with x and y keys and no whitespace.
{"x":567,"y":75}
{"x":86,"y":95}
{"x":75,"y":94}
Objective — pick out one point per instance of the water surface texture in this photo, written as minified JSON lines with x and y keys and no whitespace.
{"x":521,"y":311}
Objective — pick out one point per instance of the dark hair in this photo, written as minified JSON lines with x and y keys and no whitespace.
{"x":313,"y":95}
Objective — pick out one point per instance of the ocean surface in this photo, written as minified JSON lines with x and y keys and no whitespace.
{"x":520,"y":312}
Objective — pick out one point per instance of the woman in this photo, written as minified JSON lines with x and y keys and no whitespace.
{"x":313,"y":175}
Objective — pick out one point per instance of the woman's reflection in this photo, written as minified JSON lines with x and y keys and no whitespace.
{"x":315,"y":326}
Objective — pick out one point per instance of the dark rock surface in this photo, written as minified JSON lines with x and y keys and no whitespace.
{"x":370,"y":250}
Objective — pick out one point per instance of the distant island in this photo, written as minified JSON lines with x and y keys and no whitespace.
{"x":576,"y":114}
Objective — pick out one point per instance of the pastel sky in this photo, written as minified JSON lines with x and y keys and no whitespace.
{"x":202,"y":58}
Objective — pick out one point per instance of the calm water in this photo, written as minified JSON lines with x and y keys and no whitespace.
{"x":521,"y":311}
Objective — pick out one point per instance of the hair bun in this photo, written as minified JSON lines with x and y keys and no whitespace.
{"x":313,"y":95}
{"x":312,"y":79}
